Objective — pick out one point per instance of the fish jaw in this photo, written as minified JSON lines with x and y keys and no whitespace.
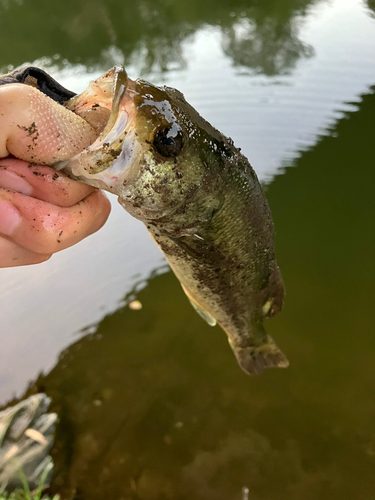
{"x":106,"y":162}
{"x":95,"y":103}
{"x":126,"y":158}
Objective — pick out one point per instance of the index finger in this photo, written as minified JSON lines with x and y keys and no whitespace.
{"x":41,"y":182}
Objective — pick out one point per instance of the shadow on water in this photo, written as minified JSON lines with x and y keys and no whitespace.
{"x":262,"y":36}
{"x":154,"y":406}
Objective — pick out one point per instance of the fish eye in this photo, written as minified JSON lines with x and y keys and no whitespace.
{"x":168,"y":142}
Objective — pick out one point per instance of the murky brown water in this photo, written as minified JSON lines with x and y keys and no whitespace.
{"x":152,"y":403}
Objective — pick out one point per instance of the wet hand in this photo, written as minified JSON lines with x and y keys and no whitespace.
{"x":43,"y":212}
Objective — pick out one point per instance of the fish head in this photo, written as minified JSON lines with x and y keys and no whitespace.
{"x":151,"y":152}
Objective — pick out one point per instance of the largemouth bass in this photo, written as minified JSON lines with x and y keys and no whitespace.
{"x":200,"y":200}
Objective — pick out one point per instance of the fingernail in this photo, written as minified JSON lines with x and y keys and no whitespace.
{"x":9,"y":218}
{"x":10,"y":180}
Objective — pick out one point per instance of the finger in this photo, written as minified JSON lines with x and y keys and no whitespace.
{"x":44,"y":228}
{"x":41,"y":182}
{"x":35,"y":128}
{"x":12,"y":255}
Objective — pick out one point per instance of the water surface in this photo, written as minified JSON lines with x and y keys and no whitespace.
{"x":152,"y":402}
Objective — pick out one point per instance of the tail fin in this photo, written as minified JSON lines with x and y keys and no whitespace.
{"x":254,"y":359}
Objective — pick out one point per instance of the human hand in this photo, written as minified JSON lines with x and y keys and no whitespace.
{"x":42,"y":211}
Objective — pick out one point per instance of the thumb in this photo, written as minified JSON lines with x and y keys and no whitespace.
{"x":37,"y":129}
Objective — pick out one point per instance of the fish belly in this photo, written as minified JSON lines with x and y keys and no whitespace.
{"x":210,"y":297}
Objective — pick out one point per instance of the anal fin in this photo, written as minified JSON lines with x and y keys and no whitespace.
{"x":203,"y":314}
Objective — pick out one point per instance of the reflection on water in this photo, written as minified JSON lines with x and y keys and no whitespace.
{"x":267,"y":45}
{"x":44,"y":307}
{"x":263,"y":36}
{"x":167,"y":414}
{"x":152,"y":404}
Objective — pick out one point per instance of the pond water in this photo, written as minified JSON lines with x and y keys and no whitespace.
{"x":152,"y":404}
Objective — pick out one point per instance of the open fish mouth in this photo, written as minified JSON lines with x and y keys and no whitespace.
{"x":105,"y":161}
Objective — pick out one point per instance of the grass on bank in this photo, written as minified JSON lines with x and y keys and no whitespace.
{"x":25,"y":493}
{"x":22,"y":495}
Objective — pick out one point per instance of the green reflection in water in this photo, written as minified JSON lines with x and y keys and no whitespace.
{"x":154,"y":406}
{"x":151,"y":32}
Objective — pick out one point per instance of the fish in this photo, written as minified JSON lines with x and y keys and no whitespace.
{"x":199,"y":198}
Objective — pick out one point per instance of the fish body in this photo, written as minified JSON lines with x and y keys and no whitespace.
{"x":200,"y":200}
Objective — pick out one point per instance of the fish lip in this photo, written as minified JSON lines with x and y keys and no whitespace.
{"x":107,"y":158}
{"x":119,"y":116}
{"x":119,"y":88}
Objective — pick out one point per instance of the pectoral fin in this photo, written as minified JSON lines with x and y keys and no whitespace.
{"x":203,"y":314}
